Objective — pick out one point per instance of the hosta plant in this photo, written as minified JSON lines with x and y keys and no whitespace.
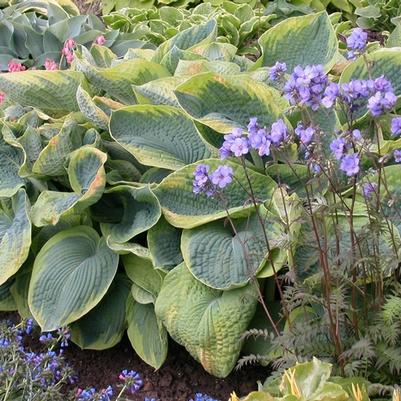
{"x":97,"y":184}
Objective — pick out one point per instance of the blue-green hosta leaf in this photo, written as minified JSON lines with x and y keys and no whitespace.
{"x":117,"y":80}
{"x":193,"y":67}
{"x":304,"y":40}
{"x":159,"y":91}
{"x":51,"y":161}
{"x":146,"y":333}
{"x":19,"y":291}
{"x":15,"y":234}
{"x":191,"y":37}
{"x":173,"y":56}
{"x":87,"y":179}
{"x":7,"y":302}
{"x":71,"y":275}
{"x":182,"y":208}
{"x":104,"y":326}
{"x":136,"y":210}
{"x":385,"y":62}
{"x":223,"y":259}
{"x":164,"y":245}
{"x":11,"y":159}
{"x":158,"y":136}
{"x":90,"y":110}
{"x":223,"y":103}
{"x":53,"y":92}
{"x":209,"y":323}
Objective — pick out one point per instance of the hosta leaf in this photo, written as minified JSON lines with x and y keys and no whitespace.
{"x":147,"y":281}
{"x":7,"y":302}
{"x":147,"y":335}
{"x":11,"y":159}
{"x":117,"y":80}
{"x":71,"y":274}
{"x":304,"y":40}
{"x":196,"y":35}
{"x":223,"y":103}
{"x":87,"y":179}
{"x":104,"y":326}
{"x":50,"y":91}
{"x":182,"y":208}
{"x":193,"y":67}
{"x":136,"y":210}
{"x":164,"y":245}
{"x":90,"y":110}
{"x":51,"y":161}
{"x":159,"y":136}
{"x":223,"y":259}
{"x":15,"y":234}
{"x":208,"y":323}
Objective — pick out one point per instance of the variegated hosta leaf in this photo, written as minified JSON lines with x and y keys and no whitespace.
{"x":70,"y":276}
{"x":305,"y":40}
{"x":226,"y":102}
{"x":50,"y":91}
{"x":182,"y":208}
{"x":159,"y":136}
{"x":117,"y":80}
{"x":51,"y":161}
{"x":191,"y":37}
{"x":223,"y":259}
{"x":19,"y":290}
{"x":159,"y":91}
{"x":135,"y":211}
{"x":104,"y":326}
{"x":146,"y":333}
{"x":173,"y":56}
{"x":87,"y":179}
{"x":15,"y":234}
{"x":90,"y":110}
{"x":7,"y":302}
{"x":147,"y":281}
{"x":164,"y":245}
{"x":11,"y":159}
{"x":193,"y":67}
{"x":209,"y":323}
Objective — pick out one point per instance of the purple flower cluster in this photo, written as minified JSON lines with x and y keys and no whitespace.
{"x":132,"y":380}
{"x":210,"y":183}
{"x":306,"y":86}
{"x":396,"y":126}
{"x":305,"y":134}
{"x":240,"y":143}
{"x":378,"y":94}
{"x":369,"y":189}
{"x":340,"y":147}
{"x":90,"y":394}
{"x":202,"y":397}
{"x":397,"y":155}
{"x":356,"y":43}
{"x":277,"y":72}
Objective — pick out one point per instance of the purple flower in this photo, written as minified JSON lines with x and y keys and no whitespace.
{"x":202,"y":397}
{"x":264,"y":148}
{"x":350,"y":164}
{"x":381,"y":84}
{"x":257,"y":138}
{"x":357,"y":40}
{"x":279,"y":132}
{"x":132,"y":380}
{"x":381,"y":103}
{"x":222,"y":176}
{"x":28,"y":326}
{"x":85,"y":395}
{"x":277,"y":71}
{"x":46,"y":338}
{"x":106,"y":394}
{"x":338,"y":147}
{"x":201,"y":178}
{"x":356,"y":135}
{"x":305,"y":134}
{"x":397,"y":155}
{"x":230,"y":140}
{"x":4,"y":343}
{"x":253,"y":125}
{"x":239,"y":146}
{"x":306,"y":86}
{"x":396,"y":126}
{"x":331,"y":93}
{"x":369,"y":189}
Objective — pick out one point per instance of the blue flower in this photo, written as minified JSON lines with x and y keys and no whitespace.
{"x":106,"y":394}
{"x":381,"y":102}
{"x":396,"y":126}
{"x":338,"y":147}
{"x":202,"y":397}
{"x":236,"y":142}
{"x":350,"y":164}
{"x":277,"y":71}
{"x":357,"y":40}
{"x":46,"y":338}
{"x":201,"y":178}
{"x":279,"y":132}
{"x":305,"y":135}
{"x":356,"y":135}
{"x":331,"y":93}
{"x":397,"y":155}
{"x":240,"y":146}
{"x":86,"y":395}
{"x":132,"y":380}
{"x":369,"y":189}
{"x":222,"y":176}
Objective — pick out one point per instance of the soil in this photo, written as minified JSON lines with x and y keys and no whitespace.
{"x":177,"y":380}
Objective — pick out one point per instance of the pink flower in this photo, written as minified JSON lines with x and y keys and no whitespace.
{"x":15,"y":66}
{"x":100,"y":40}
{"x":2,"y":97}
{"x":69,"y":58}
{"x":69,"y":44}
{"x":51,"y":65}
{"x":67,"y":51}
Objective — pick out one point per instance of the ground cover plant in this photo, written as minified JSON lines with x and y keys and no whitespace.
{"x":185,"y":190}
